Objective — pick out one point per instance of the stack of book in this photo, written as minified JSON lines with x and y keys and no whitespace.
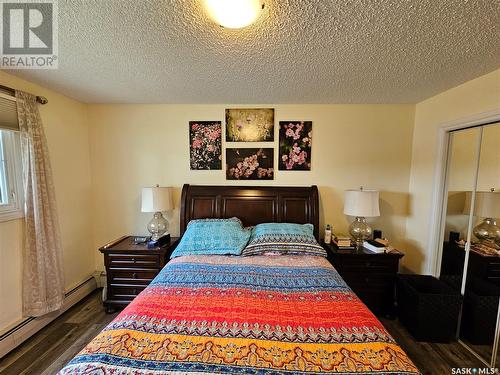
{"x":375,"y":246}
{"x":343,"y":242}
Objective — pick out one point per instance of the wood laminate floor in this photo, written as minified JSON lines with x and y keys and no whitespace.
{"x":52,"y":347}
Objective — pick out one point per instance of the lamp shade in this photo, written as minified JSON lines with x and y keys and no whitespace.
{"x":362,"y":203}
{"x":487,"y":204}
{"x":156,"y":199}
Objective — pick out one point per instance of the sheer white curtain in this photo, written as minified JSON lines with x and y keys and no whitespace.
{"x":43,"y":285}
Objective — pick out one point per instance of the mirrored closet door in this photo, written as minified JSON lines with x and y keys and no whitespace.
{"x":470,"y":259}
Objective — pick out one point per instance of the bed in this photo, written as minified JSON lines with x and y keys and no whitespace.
{"x":245,"y":315}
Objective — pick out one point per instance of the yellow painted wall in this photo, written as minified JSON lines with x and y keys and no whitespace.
{"x":479,"y":95}
{"x":140,"y":145}
{"x":489,"y":162}
{"x":66,"y":128}
{"x":11,"y":239}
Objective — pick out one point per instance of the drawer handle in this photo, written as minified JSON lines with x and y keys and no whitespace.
{"x":134,"y":260}
{"x":134,"y":275}
{"x":135,"y":291}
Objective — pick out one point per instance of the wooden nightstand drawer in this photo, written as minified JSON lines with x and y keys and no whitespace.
{"x":133,"y":260}
{"x":371,"y":276}
{"x":369,"y":265}
{"x":134,"y":276}
{"x":130,"y":267}
{"x":374,"y":281}
{"x":124,"y":293}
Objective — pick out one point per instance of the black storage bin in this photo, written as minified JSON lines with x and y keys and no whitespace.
{"x":428,"y":307}
{"x":455,"y":281}
{"x":479,"y":315}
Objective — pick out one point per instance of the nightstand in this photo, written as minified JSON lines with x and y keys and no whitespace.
{"x":370,"y":275}
{"x":130,"y":268}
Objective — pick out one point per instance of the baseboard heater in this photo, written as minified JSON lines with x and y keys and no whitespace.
{"x":29,"y":326}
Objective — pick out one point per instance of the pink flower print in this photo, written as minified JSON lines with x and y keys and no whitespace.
{"x":302,"y":157}
{"x":250,"y":166}
{"x":205,"y":145}
{"x":296,"y":135}
{"x":295,"y":145}
{"x":214,"y":135}
{"x":263,"y":172}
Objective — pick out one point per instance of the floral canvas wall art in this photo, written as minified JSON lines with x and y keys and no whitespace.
{"x":295,"y":145}
{"x":250,"y":163}
{"x":249,"y":125}
{"x":205,"y":143}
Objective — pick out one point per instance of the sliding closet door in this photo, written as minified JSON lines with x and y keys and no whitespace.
{"x":461,"y":179}
{"x":473,"y":177}
{"x":470,"y":260}
{"x":482,"y":297}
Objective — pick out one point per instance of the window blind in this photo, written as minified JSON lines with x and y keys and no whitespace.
{"x":8,"y":112}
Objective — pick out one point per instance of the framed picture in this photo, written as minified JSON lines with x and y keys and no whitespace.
{"x":250,"y":125}
{"x":295,"y":146}
{"x":205,"y":145}
{"x":249,"y":163}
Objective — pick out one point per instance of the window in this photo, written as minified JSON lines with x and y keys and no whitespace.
{"x":11,"y":202}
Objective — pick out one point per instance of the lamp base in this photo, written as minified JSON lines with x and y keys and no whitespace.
{"x":360,"y":231}
{"x":487,"y":230}
{"x":157,"y":226}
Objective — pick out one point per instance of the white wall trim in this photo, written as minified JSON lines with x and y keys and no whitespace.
{"x":28,"y":327}
{"x":436,"y":234}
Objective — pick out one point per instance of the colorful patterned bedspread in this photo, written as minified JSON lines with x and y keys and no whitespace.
{"x":244,"y":315}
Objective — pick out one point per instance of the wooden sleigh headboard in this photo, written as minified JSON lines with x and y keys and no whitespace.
{"x":252,"y":204}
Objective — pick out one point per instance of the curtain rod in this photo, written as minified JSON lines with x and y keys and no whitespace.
{"x":39,"y":99}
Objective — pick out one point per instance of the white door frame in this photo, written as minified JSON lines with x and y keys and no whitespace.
{"x":436,"y":234}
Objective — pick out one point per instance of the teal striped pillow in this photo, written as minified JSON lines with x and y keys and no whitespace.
{"x":213,"y":237}
{"x":283,"y":238}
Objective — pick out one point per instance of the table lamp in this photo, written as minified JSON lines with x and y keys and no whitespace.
{"x":361,"y":204}
{"x":156,"y":199}
{"x":487,"y":206}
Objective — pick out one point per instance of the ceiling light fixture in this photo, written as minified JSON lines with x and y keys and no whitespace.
{"x":234,"y":14}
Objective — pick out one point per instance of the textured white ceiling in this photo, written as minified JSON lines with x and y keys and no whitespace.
{"x":299,"y":51}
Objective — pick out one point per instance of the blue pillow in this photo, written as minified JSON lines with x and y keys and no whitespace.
{"x":283,"y":238}
{"x":213,"y":237}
